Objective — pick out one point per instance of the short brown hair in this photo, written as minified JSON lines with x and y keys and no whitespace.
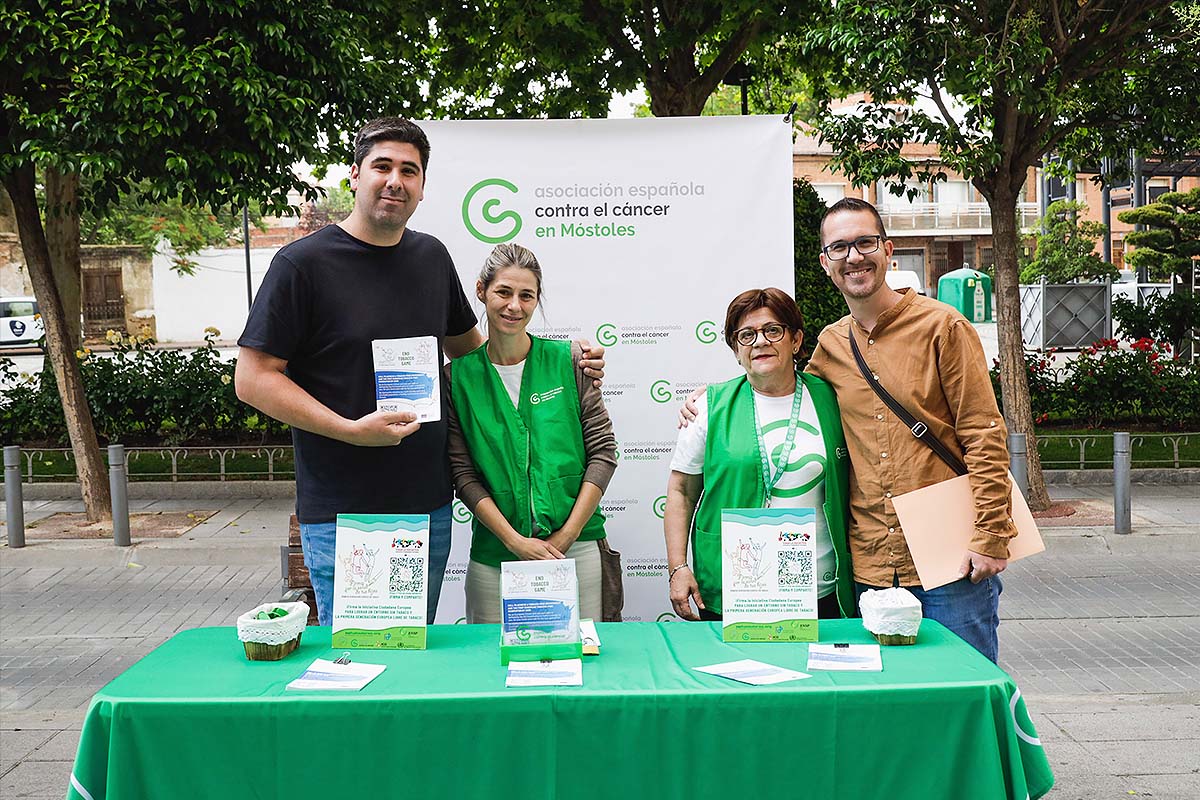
{"x":777,"y":301}
{"x":852,"y":204}
{"x":391,"y":129}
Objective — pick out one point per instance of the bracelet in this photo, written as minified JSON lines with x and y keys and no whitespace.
{"x":675,"y":569}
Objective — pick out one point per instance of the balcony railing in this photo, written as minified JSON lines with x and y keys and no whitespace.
{"x":949,"y":216}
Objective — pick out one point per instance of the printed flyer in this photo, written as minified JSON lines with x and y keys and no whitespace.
{"x":539,"y":606}
{"x":407,"y":376}
{"x":769,"y":586}
{"x":380,"y":581}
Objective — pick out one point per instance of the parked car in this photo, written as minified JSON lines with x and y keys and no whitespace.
{"x":904,"y":279}
{"x":20,"y":321}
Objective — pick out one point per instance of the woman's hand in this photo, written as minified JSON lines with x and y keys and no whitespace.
{"x":683,"y":589}
{"x":532,"y":549}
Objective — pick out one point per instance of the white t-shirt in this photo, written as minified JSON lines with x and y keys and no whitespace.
{"x":803,"y":481}
{"x":510,"y":376}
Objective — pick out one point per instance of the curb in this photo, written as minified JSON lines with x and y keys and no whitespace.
{"x":264,"y":490}
{"x":168,"y":490}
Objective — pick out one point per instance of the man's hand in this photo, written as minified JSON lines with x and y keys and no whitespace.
{"x":979,"y":567}
{"x":533,"y":549}
{"x":592,"y":362}
{"x":687,"y":412}
{"x":683,"y":589}
{"x":382,"y":428}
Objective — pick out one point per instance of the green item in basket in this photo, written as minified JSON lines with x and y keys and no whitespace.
{"x":274,"y":613}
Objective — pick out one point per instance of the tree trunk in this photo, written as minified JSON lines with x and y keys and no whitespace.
{"x":93,"y":481}
{"x":1014,"y":381}
{"x":62,"y":241}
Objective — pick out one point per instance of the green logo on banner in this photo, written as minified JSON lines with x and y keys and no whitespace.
{"x":660,"y":391}
{"x":667,"y":617}
{"x":460,"y":512}
{"x":606,"y":334}
{"x":660,"y":506}
{"x":706,"y":332}
{"x":487,"y":218}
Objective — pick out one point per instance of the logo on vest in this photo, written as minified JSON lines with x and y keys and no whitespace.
{"x":538,"y":398}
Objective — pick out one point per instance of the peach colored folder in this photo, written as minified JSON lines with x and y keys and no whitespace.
{"x":938,"y":522}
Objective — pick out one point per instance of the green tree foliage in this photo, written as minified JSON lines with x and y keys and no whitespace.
{"x":1066,"y":247}
{"x":819,"y":300}
{"x":1162,"y":319}
{"x":1171,"y":242}
{"x":334,"y":207}
{"x":209,"y":102}
{"x":564,"y":58}
{"x":999,"y":85}
{"x":187,"y":228}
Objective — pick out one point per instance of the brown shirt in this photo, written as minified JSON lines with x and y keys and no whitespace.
{"x":928,"y":356}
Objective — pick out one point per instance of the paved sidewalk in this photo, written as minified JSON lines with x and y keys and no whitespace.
{"x":1102,"y":634}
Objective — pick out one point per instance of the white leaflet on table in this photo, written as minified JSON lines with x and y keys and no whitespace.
{"x":851,"y":658}
{"x":755,"y":673}
{"x":591,"y":639}
{"x":324,"y":674}
{"x":564,"y":672}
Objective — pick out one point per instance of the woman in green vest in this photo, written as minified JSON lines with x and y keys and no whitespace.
{"x":772,"y":437}
{"x":531,"y":445}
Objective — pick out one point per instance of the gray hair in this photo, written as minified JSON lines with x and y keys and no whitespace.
{"x":510,"y":254}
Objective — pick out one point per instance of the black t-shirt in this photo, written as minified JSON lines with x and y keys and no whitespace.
{"x":324,"y":300}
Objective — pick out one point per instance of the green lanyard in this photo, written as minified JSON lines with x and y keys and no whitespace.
{"x":788,"y":442}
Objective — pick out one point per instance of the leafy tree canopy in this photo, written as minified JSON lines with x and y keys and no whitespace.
{"x":1066,"y":247}
{"x":564,"y":58}
{"x":1171,"y":239}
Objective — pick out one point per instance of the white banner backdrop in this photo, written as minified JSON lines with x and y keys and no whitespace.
{"x":645,"y":229}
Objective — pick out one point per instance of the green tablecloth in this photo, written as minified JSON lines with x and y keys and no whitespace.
{"x":195,"y":719}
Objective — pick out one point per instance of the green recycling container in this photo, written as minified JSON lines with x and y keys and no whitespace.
{"x":969,"y":291}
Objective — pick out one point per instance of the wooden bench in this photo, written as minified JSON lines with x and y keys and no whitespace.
{"x":297,"y":585}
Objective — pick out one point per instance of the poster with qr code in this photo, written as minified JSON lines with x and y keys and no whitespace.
{"x":380,"y":581}
{"x":768,"y":580}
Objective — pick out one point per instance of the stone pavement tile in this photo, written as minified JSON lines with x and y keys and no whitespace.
{"x":1148,"y":758}
{"x":16,"y":745}
{"x":61,"y":747}
{"x":36,"y":779}
{"x":1079,"y":774}
{"x":224,"y":522}
{"x":1163,"y":787}
{"x":1125,"y":722}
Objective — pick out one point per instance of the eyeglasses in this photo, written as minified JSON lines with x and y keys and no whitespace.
{"x":748,"y":336}
{"x":865,"y":245}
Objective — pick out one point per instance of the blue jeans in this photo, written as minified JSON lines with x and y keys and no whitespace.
{"x":971,"y":610}
{"x":318,"y":540}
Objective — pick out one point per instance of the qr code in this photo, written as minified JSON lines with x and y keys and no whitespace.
{"x":407,"y":575}
{"x":795,"y":568}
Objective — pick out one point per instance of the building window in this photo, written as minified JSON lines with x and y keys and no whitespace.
{"x":830,"y":193}
{"x":987,"y":259}
{"x":953,"y":192}
{"x":888,"y":198}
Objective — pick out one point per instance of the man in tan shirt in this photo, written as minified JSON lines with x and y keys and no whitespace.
{"x":929,"y":357}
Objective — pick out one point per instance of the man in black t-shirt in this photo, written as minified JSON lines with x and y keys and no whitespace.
{"x":305,"y":356}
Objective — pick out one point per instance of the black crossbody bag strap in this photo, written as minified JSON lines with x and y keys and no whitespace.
{"x":916,"y":427}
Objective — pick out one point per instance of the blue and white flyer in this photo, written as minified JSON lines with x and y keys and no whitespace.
{"x":407,"y":376}
{"x":768,"y":581}
{"x":539,"y":607}
{"x":381,"y":581}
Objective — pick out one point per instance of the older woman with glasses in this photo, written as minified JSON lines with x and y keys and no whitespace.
{"x":772,"y":437}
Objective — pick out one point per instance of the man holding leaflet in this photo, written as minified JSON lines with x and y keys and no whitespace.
{"x":305,"y":357}
{"x":929,"y":357}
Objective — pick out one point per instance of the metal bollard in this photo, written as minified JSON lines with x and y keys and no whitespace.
{"x":1018,"y":462}
{"x":14,"y":503}
{"x":118,"y":485}
{"x":1122,"y":459}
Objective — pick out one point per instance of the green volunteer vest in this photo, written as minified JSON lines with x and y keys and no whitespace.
{"x":530,"y":457}
{"x":733,"y":479}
